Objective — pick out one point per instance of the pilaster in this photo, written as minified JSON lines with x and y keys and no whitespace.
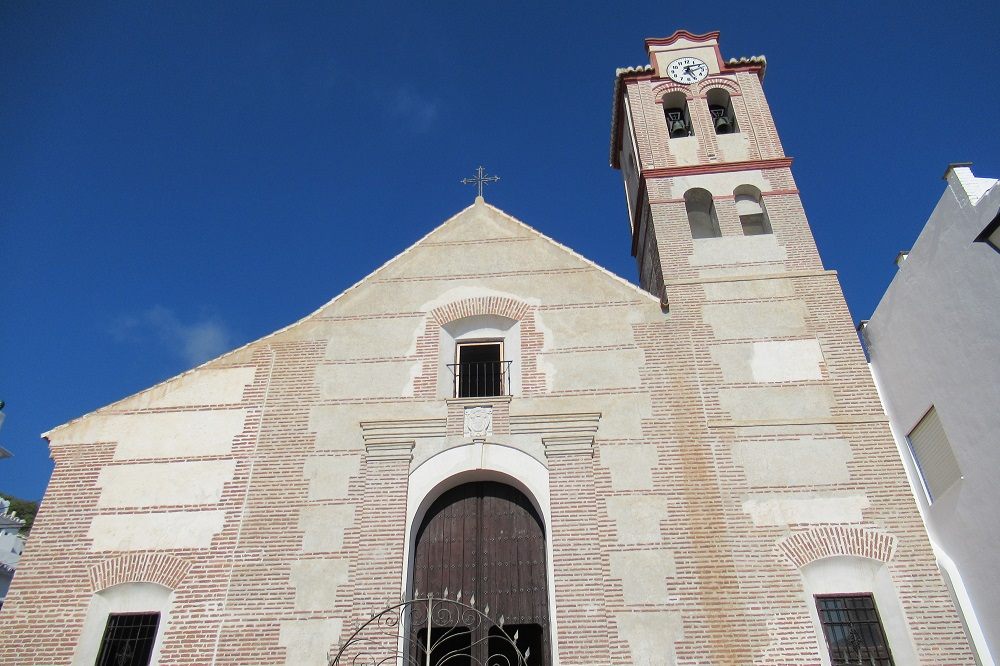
{"x":576,"y":558}
{"x":379,"y":571}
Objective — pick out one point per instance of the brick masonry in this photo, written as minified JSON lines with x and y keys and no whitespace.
{"x":678,"y":529}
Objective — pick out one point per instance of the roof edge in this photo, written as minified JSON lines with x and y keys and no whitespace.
{"x":46,"y":435}
{"x":49,"y":433}
{"x":616,"y":97}
{"x":757,"y":63}
{"x":681,"y":34}
{"x":590,"y":262}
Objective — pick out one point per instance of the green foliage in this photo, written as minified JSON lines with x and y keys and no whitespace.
{"x":25,"y":509}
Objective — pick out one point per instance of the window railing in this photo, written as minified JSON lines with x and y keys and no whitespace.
{"x":481,"y":379}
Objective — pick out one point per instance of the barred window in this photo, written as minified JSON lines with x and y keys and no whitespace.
{"x":480,"y":369}
{"x":128,"y":639}
{"x":853,"y":631}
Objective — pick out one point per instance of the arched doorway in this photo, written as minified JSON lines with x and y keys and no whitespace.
{"x":487,"y":540}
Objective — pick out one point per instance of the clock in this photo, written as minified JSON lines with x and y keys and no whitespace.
{"x":687,"y":70}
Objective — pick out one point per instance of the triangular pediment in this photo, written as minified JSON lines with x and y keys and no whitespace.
{"x":481,"y":252}
{"x":484,"y":247}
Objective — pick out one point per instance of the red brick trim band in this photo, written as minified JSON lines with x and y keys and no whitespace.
{"x":485,"y":305}
{"x":718,"y":81}
{"x":636,"y":77}
{"x":160,"y":568}
{"x":769,"y":193}
{"x":805,"y":547}
{"x":719,"y":167}
{"x":660,"y":90}
{"x":679,"y":34}
{"x":666,"y":87}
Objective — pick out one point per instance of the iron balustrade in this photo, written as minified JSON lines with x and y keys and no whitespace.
{"x":481,"y":379}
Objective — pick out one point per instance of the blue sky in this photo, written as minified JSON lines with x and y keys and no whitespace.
{"x":179,"y":178}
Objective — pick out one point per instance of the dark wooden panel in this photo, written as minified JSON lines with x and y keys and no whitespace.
{"x":487,"y":540}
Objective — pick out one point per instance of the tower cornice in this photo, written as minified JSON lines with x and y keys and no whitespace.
{"x":681,"y":34}
{"x":717,"y":167}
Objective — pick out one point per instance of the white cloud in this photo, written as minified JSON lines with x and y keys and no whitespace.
{"x":416,"y":109}
{"x":194,"y":342}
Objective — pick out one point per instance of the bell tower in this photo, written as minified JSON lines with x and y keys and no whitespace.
{"x":708,"y":185}
{"x":779,"y":451}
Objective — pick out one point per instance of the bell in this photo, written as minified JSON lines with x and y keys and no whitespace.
{"x":722,"y":125}
{"x":677,"y":128}
{"x":675,"y":123}
{"x":720,"y":120}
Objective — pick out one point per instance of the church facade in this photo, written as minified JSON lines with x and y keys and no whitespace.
{"x":692,"y":470}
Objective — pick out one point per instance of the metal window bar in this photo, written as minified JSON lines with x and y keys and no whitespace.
{"x":481,"y":379}
{"x":853,"y":631}
{"x":128,"y":639}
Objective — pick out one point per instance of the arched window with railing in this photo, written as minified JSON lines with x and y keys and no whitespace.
{"x":720,"y":107}
{"x":750,"y":207}
{"x":701,"y":213}
{"x":677,"y":114}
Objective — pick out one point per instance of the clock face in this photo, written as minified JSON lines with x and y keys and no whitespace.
{"x":687,"y":70}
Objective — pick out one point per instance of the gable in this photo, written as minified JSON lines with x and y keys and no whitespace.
{"x":365,"y":340}
{"x":485,"y":250}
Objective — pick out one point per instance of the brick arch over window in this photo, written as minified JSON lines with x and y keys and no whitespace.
{"x":159,"y":568}
{"x":805,"y":547}
{"x":501,"y":306}
{"x":668,"y":87}
{"x":531,"y":379}
{"x":726,"y":84}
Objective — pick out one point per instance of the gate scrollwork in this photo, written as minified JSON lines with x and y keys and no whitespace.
{"x":432,"y":631}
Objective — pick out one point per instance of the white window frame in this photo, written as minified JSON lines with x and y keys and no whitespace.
{"x":123,"y":598}
{"x":460,"y":344}
{"x":929,"y":493}
{"x":850,"y":574}
{"x":479,"y":328}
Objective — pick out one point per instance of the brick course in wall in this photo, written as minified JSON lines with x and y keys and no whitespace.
{"x":672,"y":538}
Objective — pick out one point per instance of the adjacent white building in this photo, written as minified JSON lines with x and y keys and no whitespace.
{"x":11,"y":545}
{"x":934,"y":342}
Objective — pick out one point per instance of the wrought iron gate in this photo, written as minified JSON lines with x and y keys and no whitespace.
{"x":433,"y":631}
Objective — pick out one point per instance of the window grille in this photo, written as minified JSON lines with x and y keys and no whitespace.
{"x":128,"y":639}
{"x":480,"y":371}
{"x":853,"y":631}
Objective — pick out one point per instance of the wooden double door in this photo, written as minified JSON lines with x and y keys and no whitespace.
{"x":486,"y":540}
